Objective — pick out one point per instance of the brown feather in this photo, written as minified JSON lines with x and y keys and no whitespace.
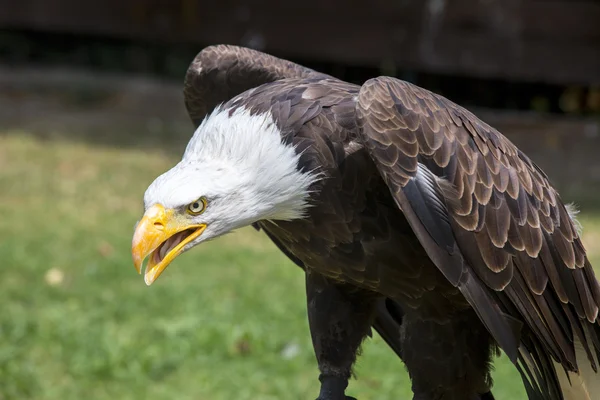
{"x":533,"y":272}
{"x":564,"y":248}
{"x":532,"y":239}
{"x":498,"y":223}
{"x":494,"y":258}
{"x":514,"y":237}
{"x":585,"y":294}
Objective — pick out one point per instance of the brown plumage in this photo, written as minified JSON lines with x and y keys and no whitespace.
{"x":429,"y":219}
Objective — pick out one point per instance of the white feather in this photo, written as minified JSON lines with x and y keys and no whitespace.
{"x":253,"y":146}
{"x":242,"y":166}
{"x":572,"y":210}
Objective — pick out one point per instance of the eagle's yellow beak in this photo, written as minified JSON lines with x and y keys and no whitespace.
{"x":162,"y":235}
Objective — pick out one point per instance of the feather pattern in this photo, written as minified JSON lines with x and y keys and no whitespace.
{"x":523,"y":225}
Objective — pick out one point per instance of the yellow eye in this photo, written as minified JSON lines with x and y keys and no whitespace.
{"x":198,"y":206}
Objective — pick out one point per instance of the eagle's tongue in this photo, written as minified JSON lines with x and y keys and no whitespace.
{"x":164,"y":248}
{"x":169,"y":244}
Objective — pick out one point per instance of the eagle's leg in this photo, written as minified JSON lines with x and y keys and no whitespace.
{"x":339,"y":322}
{"x":448,"y":359}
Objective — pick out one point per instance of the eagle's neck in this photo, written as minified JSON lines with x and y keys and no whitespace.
{"x":251,"y":147}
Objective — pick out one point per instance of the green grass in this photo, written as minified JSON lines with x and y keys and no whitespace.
{"x":76,"y":320}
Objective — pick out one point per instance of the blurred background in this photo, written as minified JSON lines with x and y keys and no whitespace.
{"x":91,"y":111}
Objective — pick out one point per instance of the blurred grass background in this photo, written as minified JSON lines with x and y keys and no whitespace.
{"x":226,"y":320}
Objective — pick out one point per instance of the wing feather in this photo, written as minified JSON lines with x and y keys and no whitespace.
{"x":219,"y":73}
{"x":509,"y":234}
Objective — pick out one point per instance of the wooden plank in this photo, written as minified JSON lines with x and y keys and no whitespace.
{"x":553,"y":41}
{"x":562,"y":20}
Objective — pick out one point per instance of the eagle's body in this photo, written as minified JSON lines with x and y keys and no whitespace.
{"x":407,"y":213}
{"x":354,"y":232}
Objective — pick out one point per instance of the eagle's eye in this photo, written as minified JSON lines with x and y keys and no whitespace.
{"x":198,"y":206}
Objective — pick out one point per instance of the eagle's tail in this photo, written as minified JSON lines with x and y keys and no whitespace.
{"x":581,"y":385}
{"x":547,"y":379}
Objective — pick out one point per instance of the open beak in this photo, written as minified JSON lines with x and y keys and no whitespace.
{"x":162,"y":236}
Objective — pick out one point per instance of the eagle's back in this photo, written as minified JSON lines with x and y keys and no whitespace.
{"x":354,"y":232}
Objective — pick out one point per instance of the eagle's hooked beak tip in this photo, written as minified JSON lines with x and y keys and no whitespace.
{"x":149,"y":279}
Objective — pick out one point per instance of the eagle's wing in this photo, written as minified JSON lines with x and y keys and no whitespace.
{"x":221,"y":72}
{"x":492,"y":223}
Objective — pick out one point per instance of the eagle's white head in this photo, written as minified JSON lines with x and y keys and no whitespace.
{"x":235,"y":171}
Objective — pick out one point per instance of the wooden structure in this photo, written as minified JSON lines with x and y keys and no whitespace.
{"x":548,"y":41}
{"x":114,"y":106}
{"x":551,"y":41}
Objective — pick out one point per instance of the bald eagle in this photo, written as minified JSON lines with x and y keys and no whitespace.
{"x":407,"y":213}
